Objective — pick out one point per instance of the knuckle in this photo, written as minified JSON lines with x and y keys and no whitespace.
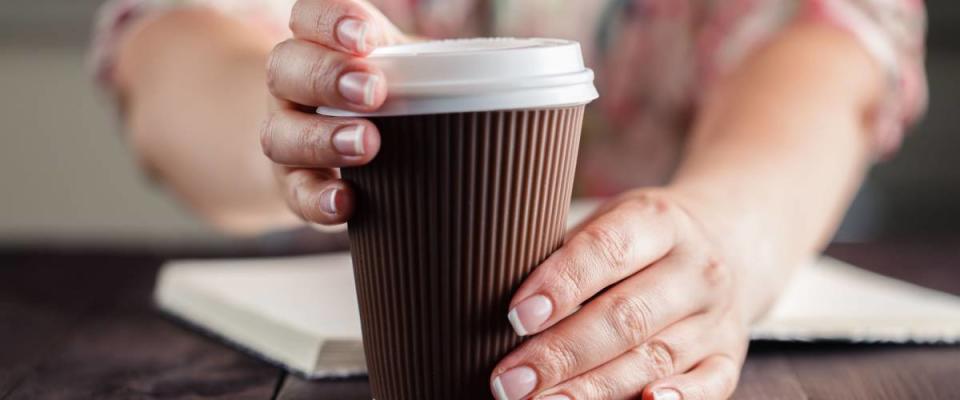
{"x":297,"y":9}
{"x":609,"y":244}
{"x":597,"y":386}
{"x":319,"y":22}
{"x":296,"y":187}
{"x":716,"y":273}
{"x":327,"y":15}
{"x":695,"y":392}
{"x":554,"y":356}
{"x":660,"y":358}
{"x":630,"y":318}
{"x":565,"y":283}
{"x":266,"y":135}
{"x":730,"y":374}
{"x":313,"y":141}
{"x":321,"y":75}
{"x":317,"y":77}
{"x":647,"y":203}
{"x":296,"y":194}
{"x":274,"y":61}
{"x":314,"y":17}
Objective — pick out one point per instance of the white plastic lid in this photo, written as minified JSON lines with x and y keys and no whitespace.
{"x":468,"y":75}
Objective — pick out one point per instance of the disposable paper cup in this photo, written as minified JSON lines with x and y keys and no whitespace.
{"x":469,"y":193}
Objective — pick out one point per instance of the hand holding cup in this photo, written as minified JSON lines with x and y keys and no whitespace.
{"x":324,"y":65}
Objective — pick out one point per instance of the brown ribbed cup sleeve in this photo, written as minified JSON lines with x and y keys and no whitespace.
{"x":452,"y":215}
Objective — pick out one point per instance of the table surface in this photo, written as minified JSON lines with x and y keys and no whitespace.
{"x":79,"y":324}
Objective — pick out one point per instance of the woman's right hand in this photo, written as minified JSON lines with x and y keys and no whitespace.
{"x":323,"y":65}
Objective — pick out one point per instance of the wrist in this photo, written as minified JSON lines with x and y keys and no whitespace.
{"x":762,"y":257}
{"x":726,"y":215}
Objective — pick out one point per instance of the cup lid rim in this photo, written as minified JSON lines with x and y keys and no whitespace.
{"x":480,"y":74}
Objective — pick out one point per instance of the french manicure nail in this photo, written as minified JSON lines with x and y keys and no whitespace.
{"x":328,"y":200}
{"x":349,"y":140}
{"x":527,"y":316}
{"x":359,"y":87}
{"x":555,"y":397}
{"x":352,"y":34}
{"x":666,"y":394}
{"x":515,"y":383}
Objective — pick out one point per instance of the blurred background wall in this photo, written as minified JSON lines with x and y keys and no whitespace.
{"x":65,"y":174}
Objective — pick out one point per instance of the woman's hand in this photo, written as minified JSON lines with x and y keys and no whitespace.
{"x":638,"y":302}
{"x":323,"y":65}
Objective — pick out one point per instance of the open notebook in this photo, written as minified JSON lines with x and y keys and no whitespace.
{"x":302,"y":313}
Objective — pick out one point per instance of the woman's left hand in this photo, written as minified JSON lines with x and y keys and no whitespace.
{"x":639,"y":301}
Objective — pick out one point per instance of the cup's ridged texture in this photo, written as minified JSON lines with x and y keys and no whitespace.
{"x":453,"y":213}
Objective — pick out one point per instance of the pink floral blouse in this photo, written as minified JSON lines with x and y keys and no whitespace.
{"x":652,"y":58}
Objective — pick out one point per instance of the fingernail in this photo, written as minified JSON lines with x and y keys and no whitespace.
{"x":328,"y":200}
{"x":555,"y":397}
{"x":515,"y":383}
{"x":349,"y":140}
{"x":666,"y":394}
{"x":359,"y":87}
{"x":527,"y":316}
{"x":352,"y":33}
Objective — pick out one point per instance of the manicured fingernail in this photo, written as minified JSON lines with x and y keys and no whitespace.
{"x":515,"y":383}
{"x":352,"y":33}
{"x":527,"y":316}
{"x":666,"y":394}
{"x":555,"y":397}
{"x":349,"y":140}
{"x":359,"y":87}
{"x":328,"y":200}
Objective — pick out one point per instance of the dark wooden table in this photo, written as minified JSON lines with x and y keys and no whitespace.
{"x":79,"y":324}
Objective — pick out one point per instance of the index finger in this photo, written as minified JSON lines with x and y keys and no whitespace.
{"x":344,"y":25}
{"x":616,"y":245}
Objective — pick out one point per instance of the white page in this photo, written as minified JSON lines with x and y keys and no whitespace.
{"x":293,"y":305}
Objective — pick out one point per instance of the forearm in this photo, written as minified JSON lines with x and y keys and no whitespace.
{"x":194,"y":94}
{"x":780,"y":149}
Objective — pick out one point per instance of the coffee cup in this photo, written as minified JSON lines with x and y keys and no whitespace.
{"x":469,"y":192}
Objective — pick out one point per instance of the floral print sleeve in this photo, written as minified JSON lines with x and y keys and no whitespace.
{"x":892,"y":31}
{"x":652,"y":59}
